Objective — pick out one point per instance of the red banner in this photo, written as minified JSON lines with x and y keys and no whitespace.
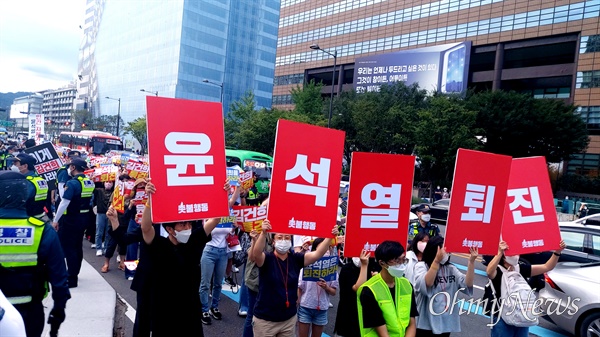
{"x":530,"y":224}
{"x":186,"y":145}
{"x":103,"y":173}
{"x":477,"y":203}
{"x":137,"y":169}
{"x":250,"y":218}
{"x":122,"y":188}
{"x":378,"y":204}
{"x":305,"y":183}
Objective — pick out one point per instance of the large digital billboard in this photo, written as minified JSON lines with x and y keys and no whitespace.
{"x":16,"y":109}
{"x":443,"y":68}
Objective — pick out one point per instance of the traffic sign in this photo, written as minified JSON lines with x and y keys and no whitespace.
{"x":7,"y":123}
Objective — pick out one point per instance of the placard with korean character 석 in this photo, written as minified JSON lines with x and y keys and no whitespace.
{"x":186,"y":159}
{"x":477,"y":204}
{"x":530,"y":223}
{"x":307,"y":169}
{"x":378,"y":204}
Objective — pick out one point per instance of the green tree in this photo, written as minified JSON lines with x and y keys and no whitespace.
{"x":521,"y":126}
{"x":137,"y":129}
{"x":82,"y":119}
{"x":107,"y":123}
{"x":239,"y":112}
{"x":308,"y":100}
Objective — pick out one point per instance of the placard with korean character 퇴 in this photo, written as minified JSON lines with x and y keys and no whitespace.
{"x":307,"y":168}
{"x":477,"y":203}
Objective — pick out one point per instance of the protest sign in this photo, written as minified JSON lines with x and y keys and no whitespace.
{"x":246,"y":180}
{"x":122,"y":188}
{"x":250,"y":218}
{"x":530,"y":224}
{"x":47,"y":160}
{"x":379,"y":205}
{"x":136,"y":169}
{"x":139,"y":202}
{"x":306,"y":174}
{"x":233,"y":176}
{"x":187,"y":159}
{"x":477,"y":204}
{"x":325,"y":268}
{"x":103,"y":173}
{"x":36,"y":127}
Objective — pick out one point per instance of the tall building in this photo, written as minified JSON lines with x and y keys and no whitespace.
{"x":548,"y":48}
{"x":58,"y":108}
{"x":193,"y":49}
{"x":24,"y":106}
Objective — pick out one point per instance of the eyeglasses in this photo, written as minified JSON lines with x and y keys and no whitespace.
{"x":400,"y":260}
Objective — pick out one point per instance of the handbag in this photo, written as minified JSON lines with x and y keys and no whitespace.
{"x":232,"y":240}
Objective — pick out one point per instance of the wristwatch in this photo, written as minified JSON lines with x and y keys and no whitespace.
{"x":557,"y":254}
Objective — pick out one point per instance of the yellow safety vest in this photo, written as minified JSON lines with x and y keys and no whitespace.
{"x":41,"y":194}
{"x":19,"y":243}
{"x":397,"y":317}
{"x":87,"y":190}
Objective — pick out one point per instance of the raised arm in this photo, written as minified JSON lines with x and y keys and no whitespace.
{"x":471,"y":267}
{"x":538,"y":269}
{"x":312,"y":257}
{"x":435,"y":266}
{"x":258,"y":249}
{"x":364,"y":265}
{"x":492,"y":266}
{"x":148,"y":231}
{"x":235,"y":196}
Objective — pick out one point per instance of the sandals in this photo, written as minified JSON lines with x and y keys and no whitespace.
{"x":122,"y":267}
{"x":104,"y":269}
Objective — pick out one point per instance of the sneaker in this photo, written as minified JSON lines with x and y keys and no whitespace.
{"x":330,"y":305}
{"x":130,"y":278}
{"x":229,"y":280}
{"x":206,"y":318}
{"x":93,"y":246}
{"x":234,"y":269}
{"x":118,"y":258}
{"x":216,"y":314}
{"x":99,"y":252}
{"x":242,"y":313}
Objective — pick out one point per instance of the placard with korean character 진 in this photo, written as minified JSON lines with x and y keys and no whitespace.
{"x":530,"y":224}
{"x":378,"y":204}
{"x":477,"y":204}
{"x":186,"y":146}
{"x":307,"y":169}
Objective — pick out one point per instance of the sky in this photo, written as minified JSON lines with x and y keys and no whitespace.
{"x":39,"y":43}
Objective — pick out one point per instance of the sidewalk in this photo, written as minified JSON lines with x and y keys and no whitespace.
{"x":91,"y":309}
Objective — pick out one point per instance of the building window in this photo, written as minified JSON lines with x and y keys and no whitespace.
{"x":589,"y":44}
{"x":591,"y":116}
{"x":282,"y":99}
{"x":588,"y":79}
{"x":586,"y":164}
{"x":289,"y":79}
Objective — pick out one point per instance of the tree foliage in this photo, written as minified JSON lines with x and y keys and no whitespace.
{"x":137,"y":129}
{"x":308,"y":101}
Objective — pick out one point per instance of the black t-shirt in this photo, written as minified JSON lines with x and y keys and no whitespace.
{"x":372,"y":314}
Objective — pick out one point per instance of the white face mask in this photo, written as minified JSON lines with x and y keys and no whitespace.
{"x":426,"y":217}
{"x":15,"y":169}
{"x":512,"y":260}
{"x":70,"y":173}
{"x":183,"y":236}
{"x":421,"y":246}
{"x":356,"y":261}
{"x":397,"y":270}
{"x":283,"y":246}
{"x":445,"y":259}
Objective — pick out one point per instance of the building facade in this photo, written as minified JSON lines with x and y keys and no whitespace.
{"x":24,"y":106}
{"x":548,"y":48}
{"x":58,"y":108}
{"x":191,"y":49}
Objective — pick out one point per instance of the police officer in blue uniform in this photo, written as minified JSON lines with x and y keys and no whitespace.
{"x":71,"y":217}
{"x":62,"y":175}
{"x":30,"y":258}
{"x":423,"y":225}
{"x":37,"y":187}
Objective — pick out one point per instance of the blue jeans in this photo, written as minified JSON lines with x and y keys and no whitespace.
{"x":101,"y":232}
{"x":502,"y":329}
{"x":213,"y":264}
{"x":243,"y":292}
{"x":252,"y":296}
{"x":132,"y":249}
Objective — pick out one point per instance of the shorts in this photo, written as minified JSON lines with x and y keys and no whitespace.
{"x":312,"y":316}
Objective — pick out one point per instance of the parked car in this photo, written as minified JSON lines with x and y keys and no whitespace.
{"x":438,"y":210}
{"x":571,"y":299}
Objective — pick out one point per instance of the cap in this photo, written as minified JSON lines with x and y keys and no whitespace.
{"x":73,"y":154}
{"x":25,"y":158}
{"x":79,"y":163}
{"x":423,"y":208}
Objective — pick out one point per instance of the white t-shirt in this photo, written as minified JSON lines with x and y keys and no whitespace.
{"x":218,"y":237}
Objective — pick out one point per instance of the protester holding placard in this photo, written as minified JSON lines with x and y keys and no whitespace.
{"x":275,"y":310}
{"x":437,"y":282}
{"x":137,"y":201}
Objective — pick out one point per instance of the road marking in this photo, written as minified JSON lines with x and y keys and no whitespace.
{"x":477,"y":271}
{"x":130,"y":312}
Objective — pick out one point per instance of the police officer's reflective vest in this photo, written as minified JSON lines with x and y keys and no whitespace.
{"x":19,"y":243}
{"x":416,"y":226}
{"x":2,"y":156}
{"x":83,"y":205}
{"x":36,"y":207}
{"x":397,"y":316}
{"x":252,"y":195}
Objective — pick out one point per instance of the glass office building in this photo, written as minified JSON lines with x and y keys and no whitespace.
{"x":192,"y":49}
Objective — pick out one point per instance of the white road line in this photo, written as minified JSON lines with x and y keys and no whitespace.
{"x":478,"y":287}
{"x":130,"y":312}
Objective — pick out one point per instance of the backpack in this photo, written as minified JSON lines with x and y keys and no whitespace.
{"x":517,"y":298}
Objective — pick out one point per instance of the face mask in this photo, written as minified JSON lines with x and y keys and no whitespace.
{"x":512,"y":260}
{"x":426,"y":217}
{"x":421,"y":246}
{"x":283,"y":246}
{"x":15,"y":169}
{"x":445,"y":259}
{"x":356,"y":261}
{"x":397,"y":270}
{"x":183,"y":236}
{"x":70,"y":173}
{"x":108,"y":186}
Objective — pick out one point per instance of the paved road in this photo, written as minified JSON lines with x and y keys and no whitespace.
{"x":472,"y":325}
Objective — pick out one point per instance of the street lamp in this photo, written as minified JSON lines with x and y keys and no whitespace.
{"x":118,"y":113}
{"x":217,"y":84}
{"x":334,"y":54}
{"x":150,"y":92}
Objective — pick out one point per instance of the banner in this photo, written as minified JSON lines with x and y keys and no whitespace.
{"x":250,"y":218}
{"x":477,"y":203}
{"x":306,"y":174}
{"x":103,"y":173}
{"x":122,"y":188}
{"x":139,"y":201}
{"x":47,"y":161}
{"x":187,"y":159}
{"x":137,"y":169}
{"x":36,"y":127}
{"x":233,"y":176}
{"x":379,"y":205}
{"x":530,"y":224}
{"x":324,"y":268}
{"x":246,"y":180}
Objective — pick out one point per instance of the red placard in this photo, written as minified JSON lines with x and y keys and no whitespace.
{"x":477,"y":203}
{"x":186,"y":146}
{"x":530,"y":224}
{"x":305,"y":183}
{"x":378,"y":204}
{"x":250,"y":218}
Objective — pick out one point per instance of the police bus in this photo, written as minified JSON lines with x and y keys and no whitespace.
{"x":96,"y":142}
